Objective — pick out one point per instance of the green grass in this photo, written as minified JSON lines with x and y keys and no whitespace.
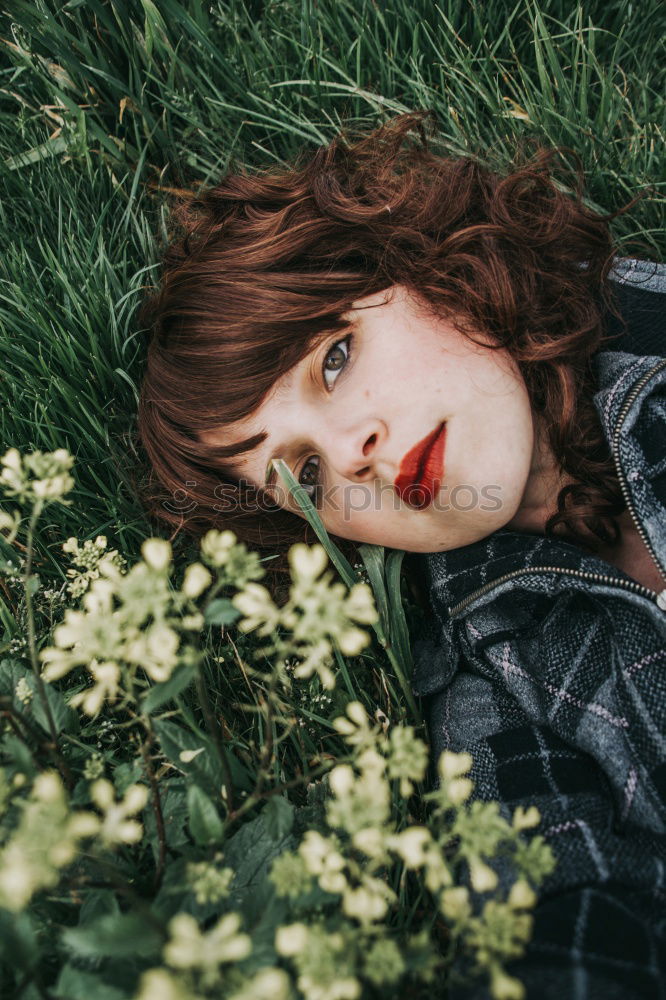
{"x":105,"y":106}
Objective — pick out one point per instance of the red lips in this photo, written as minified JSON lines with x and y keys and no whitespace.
{"x":422,"y":469}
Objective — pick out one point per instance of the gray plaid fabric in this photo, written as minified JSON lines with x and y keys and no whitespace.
{"x":554,"y":679}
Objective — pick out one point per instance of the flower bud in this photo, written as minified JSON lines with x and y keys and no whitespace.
{"x":291,"y":939}
{"x":156,"y":552}
{"x":307,"y":563}
{"x":196,"y":579}
{"x":524,"y":819}
{"x":522,"y":896}
{"x":452,"y":765}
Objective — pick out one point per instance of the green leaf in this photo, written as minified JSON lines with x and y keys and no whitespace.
{"x":18,"y":941}
{"x":205,"y":768}
{"x":15,"y":751}
{"x":64,"y":718}
{"x":279,"y":815}
{"x":77,"y":984}
{"x":300,"y":495}
{"x":49,"y":148}
{"x":11,"y":671}
{"x":161,"y":693}
{"x":373,"y":560}
{"x":204,"y":820}
{"x":249,"y":852}
{"x":127,"y":773}
{"x":9,"y":554}
{"x":114,"y":936}
{"x":397,"y":617}
{"x":98,"y":903}
{"x":221,"y":612}
{"x":175,"y":814}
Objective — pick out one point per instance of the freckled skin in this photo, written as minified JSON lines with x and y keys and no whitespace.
{"x":407,"y":372}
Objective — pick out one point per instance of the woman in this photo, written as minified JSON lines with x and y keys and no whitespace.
{"x":433,"y":348}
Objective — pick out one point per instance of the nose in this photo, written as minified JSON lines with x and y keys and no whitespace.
{"x":352,"y":451}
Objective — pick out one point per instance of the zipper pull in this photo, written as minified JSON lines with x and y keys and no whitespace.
{"x":661,"y":600}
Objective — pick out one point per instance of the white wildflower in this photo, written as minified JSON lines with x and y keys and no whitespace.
{"x":256,"y":603}
{"x":522,"y":896}
{"x":452,"y":765}
{"x":116,"y":826}
{"x":482,"y":876}
{"x":156,"y":553}
{"x":360,"y":604}
{"x":106,"y":688}
{"x":267,"y":984}
{"x":307,"y":562}
{"x":368,"y":902}
{"x":196,"y":579}
{"x":412,"y":845}
{"x":455,"y":903}
{"x":189,"y":948}
{"x":524,"y":819}
{"x":215,"y":546}
{"x":23,"y":690}
{"x":291,"y":939}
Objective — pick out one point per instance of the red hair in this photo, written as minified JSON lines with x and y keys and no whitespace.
{"x":262,"y":265}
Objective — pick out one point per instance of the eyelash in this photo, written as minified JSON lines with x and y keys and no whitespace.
{"x":345,"y":340}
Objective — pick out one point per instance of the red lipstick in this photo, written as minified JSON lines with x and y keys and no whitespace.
{"x":422,"y":469}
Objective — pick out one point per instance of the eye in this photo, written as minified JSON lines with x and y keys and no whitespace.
{"x":309,"y":476}
{"x":336,"y":359}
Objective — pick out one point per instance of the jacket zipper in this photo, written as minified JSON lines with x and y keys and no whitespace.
{"x":620,"y":475}
{"x":636,"y":588}
{"x":583,"y":574}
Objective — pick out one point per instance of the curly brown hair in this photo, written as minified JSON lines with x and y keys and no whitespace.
{"x":263,"y":265}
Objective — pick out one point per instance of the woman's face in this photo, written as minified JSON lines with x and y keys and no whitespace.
{"x":346,"y":418}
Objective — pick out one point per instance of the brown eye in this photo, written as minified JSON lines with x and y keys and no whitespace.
{"x":309,"y":477}
{"x":336,"y":359}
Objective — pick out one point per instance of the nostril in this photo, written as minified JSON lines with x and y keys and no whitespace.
{"x":369,"y":443}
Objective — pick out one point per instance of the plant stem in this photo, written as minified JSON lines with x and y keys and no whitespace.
{"x":267,"y":749}
{"x":32,"y":644}
{"x":253,"y":799}
{"x":214,"y":731}
{"x":404,"y":683}
{"x":157,"y":803}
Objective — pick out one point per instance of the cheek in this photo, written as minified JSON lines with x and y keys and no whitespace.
{"x":364,"y":515}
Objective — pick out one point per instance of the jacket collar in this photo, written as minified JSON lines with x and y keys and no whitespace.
{"x":452,"y":576}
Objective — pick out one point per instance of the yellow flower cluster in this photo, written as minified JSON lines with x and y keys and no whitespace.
{"x":318,"y":614}
{"x":129,"y":620}
{"x":38,"y":477}
{"x":49,"y":833}
{"x":364,"y":844}
{"x":189,"y":948}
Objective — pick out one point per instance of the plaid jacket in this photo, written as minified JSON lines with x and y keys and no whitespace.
{"x":548,"y":665}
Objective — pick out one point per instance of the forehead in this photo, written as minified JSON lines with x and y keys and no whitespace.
{"x":231,"y":432}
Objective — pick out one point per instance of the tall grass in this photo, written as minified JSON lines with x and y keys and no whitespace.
{"x":108,"y":107}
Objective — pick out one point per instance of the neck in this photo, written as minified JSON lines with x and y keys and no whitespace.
{"x":544,"y":482}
